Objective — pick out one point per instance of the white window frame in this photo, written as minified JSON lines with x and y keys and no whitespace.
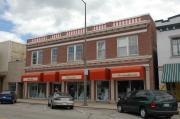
{"x":52,"y":55}
{"x":97,"y":48}
{"x":128,"y":51}
{"x":74,"y":46}
{"x":37,"y":60}
{"x":172,"y":49}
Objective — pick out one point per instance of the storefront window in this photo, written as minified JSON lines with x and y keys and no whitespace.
{"x":102,"y":90}
{"x":76,"y":90}
{"x":37,"y":90}
{"x":130,"y":85}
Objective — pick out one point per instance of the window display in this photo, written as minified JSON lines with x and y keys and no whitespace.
{"x":76,"y":90}
{"x":37,"y":90}
{"x":102,"y":90}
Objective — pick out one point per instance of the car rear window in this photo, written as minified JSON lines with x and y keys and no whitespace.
{"x":60,"y":94}
{"x":162,"y":96}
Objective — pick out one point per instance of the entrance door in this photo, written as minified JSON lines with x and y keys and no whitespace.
{"x":102,"y":90}
{"x":76,"y":90}
{"x":33,"y":90}
{"x":56,"y":87}
{"x":123,"y":88}
{"x":72,"y":89}
{"x":127,"y":86}
{"x":37,"y":90}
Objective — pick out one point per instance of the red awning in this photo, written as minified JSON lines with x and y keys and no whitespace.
{"x":132,"y":72}
{"x":99,"y":74}
{"x":76,"y":74}
{"x":32,"y":77}
{"x":51,"y":76}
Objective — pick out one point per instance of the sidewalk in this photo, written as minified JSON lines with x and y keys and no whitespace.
{"x":95,"y":105}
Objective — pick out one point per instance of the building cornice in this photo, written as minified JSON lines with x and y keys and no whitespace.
{"x":92,"y":63}
{"x":88,"y":39}
{"x":90,"y":29}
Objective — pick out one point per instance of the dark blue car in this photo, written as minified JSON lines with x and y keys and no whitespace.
{"x":8,"y":97}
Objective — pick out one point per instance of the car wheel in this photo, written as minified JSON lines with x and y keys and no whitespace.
{"x":52,"y":106}
{"x":143,"y":113}
{"x":120,"y":108}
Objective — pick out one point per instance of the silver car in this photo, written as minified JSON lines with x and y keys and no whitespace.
{"x":60,"y":99}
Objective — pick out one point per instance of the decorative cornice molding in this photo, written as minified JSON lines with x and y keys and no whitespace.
{"x":107,"y":62}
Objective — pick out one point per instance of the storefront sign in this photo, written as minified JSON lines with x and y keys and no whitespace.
{"x":71,"y":77}
{"x":130,"y":74}
{"x":31,"y":79}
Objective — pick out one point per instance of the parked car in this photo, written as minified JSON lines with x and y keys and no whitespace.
{"x":60,"y":99}
{"x":149,"y":103}
{"x":8,"y":97}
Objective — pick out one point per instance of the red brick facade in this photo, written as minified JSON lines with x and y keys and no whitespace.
{"x":146,"y":48}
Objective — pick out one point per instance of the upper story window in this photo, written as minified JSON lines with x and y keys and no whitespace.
{"x":75,"y":52}
{"x":37,"y":57}
{"x":127,"y":46}
{"x":101,"y":48}
{"x":175,"y":47}
{"x":54,"y":54}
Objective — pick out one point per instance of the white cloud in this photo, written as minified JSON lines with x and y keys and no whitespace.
{"x":7,"y":36}
{"x":39,"y":17}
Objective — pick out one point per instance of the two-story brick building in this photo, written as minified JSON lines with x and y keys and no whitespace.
{"x":120,"y":57}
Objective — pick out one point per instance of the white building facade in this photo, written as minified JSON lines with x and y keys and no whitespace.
{"x":168,"y":45}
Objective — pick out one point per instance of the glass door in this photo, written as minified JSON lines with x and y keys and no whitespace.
{"x":137,"y":85}
{"x":76,"y":90}
{"x":123,"y":88}
{"x":102,"y":90}
{"x":56,"y":87}
{"x":37,"y":90}
{"x":41,"y":90}
{"x":130,"y":85}
{"x":33,"y":88}
{"x":72,"y":89}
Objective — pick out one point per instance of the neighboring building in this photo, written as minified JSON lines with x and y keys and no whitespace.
{"x":120,"y":57}
{"x":168,"y":43}
{"x":12,"y":62}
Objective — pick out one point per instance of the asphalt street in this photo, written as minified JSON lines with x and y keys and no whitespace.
{"x":29,"y":111}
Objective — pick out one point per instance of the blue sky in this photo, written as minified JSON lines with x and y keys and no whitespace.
{"x":24,"y":19}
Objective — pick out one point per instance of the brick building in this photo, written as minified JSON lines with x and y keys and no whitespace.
{"x":121,"y":56}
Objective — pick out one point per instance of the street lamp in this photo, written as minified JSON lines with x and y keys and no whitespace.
{"x":84,"y":58}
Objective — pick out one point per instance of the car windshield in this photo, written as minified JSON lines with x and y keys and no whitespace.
{"x":6,"y":92}
{"x":162,"y":95}
{"x":60,"y":94}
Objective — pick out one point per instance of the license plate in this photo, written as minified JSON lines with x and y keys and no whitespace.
{"x":166,"y":105}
